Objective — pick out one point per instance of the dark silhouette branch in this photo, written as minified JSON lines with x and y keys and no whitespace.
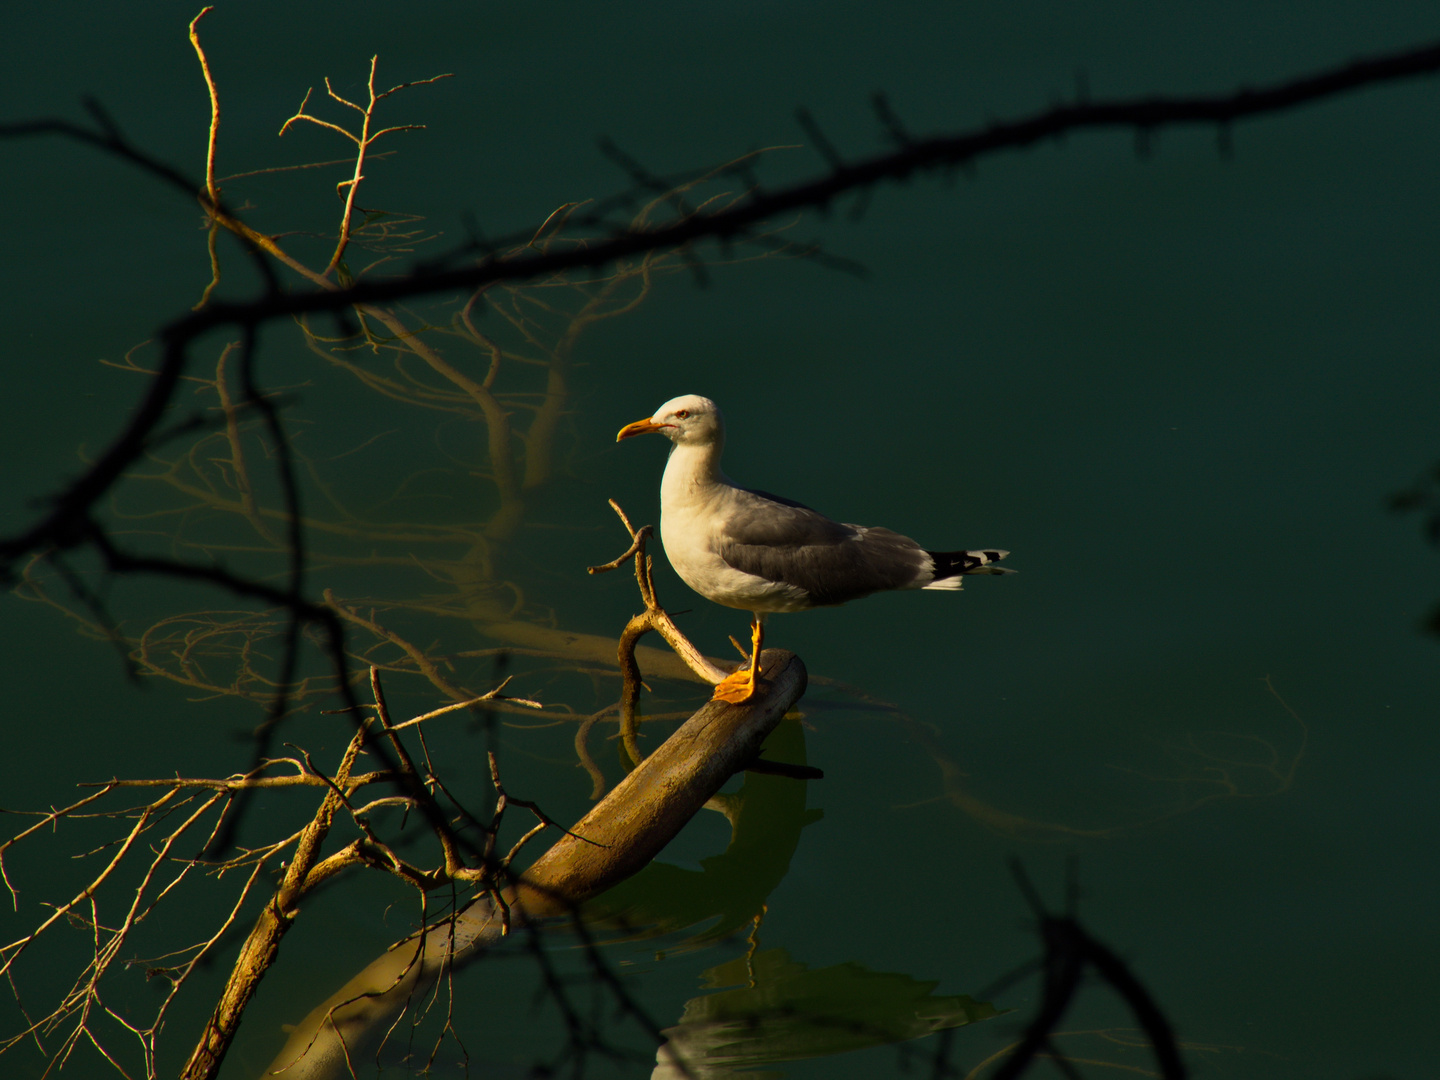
{"x":70,"y":521}
{"x":1424,"y":497}
{"x":1145,"y":117}
{"x":1069,"y":952}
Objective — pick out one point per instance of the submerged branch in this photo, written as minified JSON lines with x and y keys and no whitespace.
{"x":618,"y":837}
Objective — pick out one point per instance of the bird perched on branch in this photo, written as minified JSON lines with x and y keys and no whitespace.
{"x":761,"y":553}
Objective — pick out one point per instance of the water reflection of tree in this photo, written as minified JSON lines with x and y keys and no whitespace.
{"x":211,"y":498}
{"x":498,"y":364}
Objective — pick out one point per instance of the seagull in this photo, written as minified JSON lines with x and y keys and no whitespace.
{"x":758,"y":552}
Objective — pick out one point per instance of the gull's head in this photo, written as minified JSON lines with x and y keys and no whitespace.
{"x":687,"y":420}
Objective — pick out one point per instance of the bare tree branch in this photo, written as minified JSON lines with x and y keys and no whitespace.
{"x":65,"y":525}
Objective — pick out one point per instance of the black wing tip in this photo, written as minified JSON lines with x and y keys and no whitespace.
{"x":950,"y":564}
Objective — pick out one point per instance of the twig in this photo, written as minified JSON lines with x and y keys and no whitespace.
{"x":212,"y":190}
{"x":263,"y":942}
{"x":362,"y":143}
{"x":654,"y":617}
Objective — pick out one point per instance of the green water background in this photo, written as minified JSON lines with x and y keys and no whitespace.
{"x":1179,"y":388}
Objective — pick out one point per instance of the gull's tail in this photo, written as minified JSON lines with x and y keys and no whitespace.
{"x":950,"y":566}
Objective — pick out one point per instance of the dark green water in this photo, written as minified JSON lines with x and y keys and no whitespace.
{"x":1179,"y":389}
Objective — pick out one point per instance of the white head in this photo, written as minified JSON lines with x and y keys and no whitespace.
{"x":689,"y":420}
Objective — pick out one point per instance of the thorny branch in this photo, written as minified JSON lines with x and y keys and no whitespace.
{"x":65,"y":524}
{"x":70,"y":523}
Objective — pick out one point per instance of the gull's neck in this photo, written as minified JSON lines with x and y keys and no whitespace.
{"x":692,"y":474}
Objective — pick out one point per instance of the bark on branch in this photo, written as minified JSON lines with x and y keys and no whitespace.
{"x":624,"y":831}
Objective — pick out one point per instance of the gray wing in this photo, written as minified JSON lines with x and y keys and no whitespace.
{"x":784,"y":541}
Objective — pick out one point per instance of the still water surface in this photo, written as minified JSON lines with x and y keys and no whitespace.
{"x":1179,"y":389}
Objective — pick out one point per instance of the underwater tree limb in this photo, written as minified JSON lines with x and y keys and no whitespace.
{"x":618,"y":837}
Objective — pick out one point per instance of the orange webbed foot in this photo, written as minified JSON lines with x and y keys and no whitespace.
{"x":739,"y":686}
{"x":736,"y":688}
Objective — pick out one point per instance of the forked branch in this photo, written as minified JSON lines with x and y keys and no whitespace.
{"x":654,"y":617}
{"x":362,"y":142}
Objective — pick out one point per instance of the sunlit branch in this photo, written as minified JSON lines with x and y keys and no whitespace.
{"x":362,"y":143}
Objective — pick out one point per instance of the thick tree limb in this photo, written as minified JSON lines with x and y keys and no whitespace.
{"x":624,"y":831}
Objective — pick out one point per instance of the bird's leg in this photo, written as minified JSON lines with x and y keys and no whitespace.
{"x":739,"y":686}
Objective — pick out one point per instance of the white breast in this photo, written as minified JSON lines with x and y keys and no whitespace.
{"x":693,"y":509}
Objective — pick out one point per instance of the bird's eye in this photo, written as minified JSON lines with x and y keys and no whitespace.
{"x":681,"y":414}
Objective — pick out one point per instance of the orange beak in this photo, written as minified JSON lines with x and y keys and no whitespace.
{"x":640,"y":427}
